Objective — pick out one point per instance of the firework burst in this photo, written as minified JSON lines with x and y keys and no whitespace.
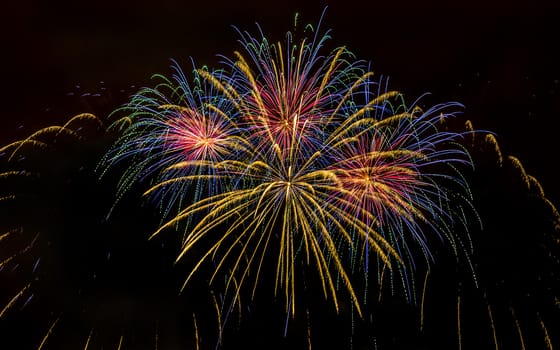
{"x":174,"y":122}
{"x":293,"y":158}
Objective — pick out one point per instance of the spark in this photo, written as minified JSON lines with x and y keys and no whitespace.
{"x":47,"y":335}
{"x":493,"y":327}
{"x":88,"y":339}
{"x":518,"y":329}
{"x":14,"y":299}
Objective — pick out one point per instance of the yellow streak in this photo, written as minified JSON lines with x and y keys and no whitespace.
{"x":202,"y":205}
{"x":366,"y":125}
{"x":324,"y":266}
{"x":219,"y":315}
{"x":422,"y":301}
{"x":32,"y":139}
{"x":5,"y":234}
{"x":231,"y":94}
{"x":324,"y":213}
{"x":493,"y":327}
{"x":381,"y":283}
{"x":236,"y":299}
{"x":19,"y":144}
{"x":123,"y":122}
{"x":48,"y":334}
{"x":348,"y":93}
{"x":88,"y":339}
{"x":518,"y":330}
{"x":290,"y":285}
{"x":398,"y":204}
{"x":346,"y":203}
{"x":11,"y":173}
{"x":244,"y":67}
{"x":536,"y":185}
{"x":329,"y":175}
{"x":82,"y":116}
{"x":331,"y":248}
{"x":343,"y":127}
{"x":308,"y":234}
{"x":280,"y":82}
{"x":546,"y":336}
{"x":370,"y":235}
{"x":552,"y":207}
{"x":211,"y":250}
{"x":328,"y":73}
{"x":263,"y":194}
{"x":179,"y":179}
{"x":469,"y":127}
{"x":209,"y":222}
{"x":490,"y":139}
{"x":120,"y":342}
{"x":8,"y":259}
{"x":13,"y":300}
{"x":239,"y":222}
{"x":195,"y":331}
{"x":221,"y":114}
{"x":517,"y":164}
{"x":256,"y":224}
{"x":389,"y":155}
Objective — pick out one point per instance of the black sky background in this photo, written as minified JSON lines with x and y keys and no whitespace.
{"x":498,"y":58}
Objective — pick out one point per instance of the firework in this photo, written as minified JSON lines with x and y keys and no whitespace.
{"x":514,"y":302}
{"x":69,"y":276}
{"x":292,"y":157}
{"x":172,"y":123}
{"x":23,"y":253}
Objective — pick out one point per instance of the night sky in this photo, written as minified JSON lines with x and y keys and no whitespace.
{"x":499,"y":59}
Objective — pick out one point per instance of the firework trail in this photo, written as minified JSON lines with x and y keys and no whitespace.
{"x":297,"y":158}
{"x":69,"y":277}
{"x":515,"y":303}
{"x":23,"y":257}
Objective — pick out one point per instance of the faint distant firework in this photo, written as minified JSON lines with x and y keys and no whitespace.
{"x":68,"y":276}
{"x":517,"y":253}
{"x":25,"y":224}
{"x":295,"y":157}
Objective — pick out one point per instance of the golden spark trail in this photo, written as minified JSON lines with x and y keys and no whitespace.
{"x":547,"y":339}
{"x":120,"y":341}
{"x":518,"y":329}
{"x":195,"y":331}
{"x":493,"y":327}
{"x":13,"y":300}
{"x":48,"y":334}
{"x":88,"y":339}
